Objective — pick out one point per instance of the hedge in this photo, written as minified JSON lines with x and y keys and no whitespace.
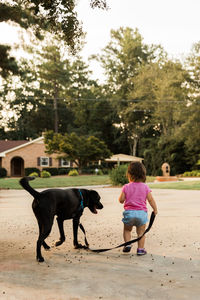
{"x":3,"y":172}
{"x":28,"y":171}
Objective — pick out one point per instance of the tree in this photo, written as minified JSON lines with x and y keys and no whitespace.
{"x":7,"y":63}
{"x":122,"y":60}
{"x":58,"y":17}
{"x":54,"y":78}
{"x":46,"y":92}
{"x":162,"y":97}
{"x":123,"y":57}
{"x":79,"y":149}
{"x":189,"y":129}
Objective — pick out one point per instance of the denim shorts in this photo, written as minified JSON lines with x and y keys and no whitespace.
{"x":135,"y":217}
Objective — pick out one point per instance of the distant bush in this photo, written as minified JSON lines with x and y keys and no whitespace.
{"x":64,"y":171}
{"x":34,"y":174}
{"x":87,"y":170}
{"x":118,"y":175}
{"x":194,"y":173}
{"x":91,"y":170}
{"x":52,"y":171}
{"x":98,"y":172}
{"x":73,"y":173}
{"x":58,"y":171}
{"x":45,"y":174}
{"x":3,"y":172}
{"x":31,"y":170}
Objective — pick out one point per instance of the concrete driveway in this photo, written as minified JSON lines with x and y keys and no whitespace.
{"x":170,"y":270}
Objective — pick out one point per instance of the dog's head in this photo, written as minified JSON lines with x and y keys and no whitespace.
{"x":94,"y":202}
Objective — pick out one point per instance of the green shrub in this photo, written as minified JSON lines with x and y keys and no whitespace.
{"x":98,"y":172}
{"x":194,"y":173}
{"x":91,"y":170}
{"x":31,"y":170}
{"x":64,"y":171}
{"x":45,"y":174}
{"x":118,"y":175}
{"x":57,"y":171}
{"x":87,"y":170}
{"x":3,"y":172}
{"x":52,"y":171}
{"x":73,"y":173}
{"x":34,"y":174}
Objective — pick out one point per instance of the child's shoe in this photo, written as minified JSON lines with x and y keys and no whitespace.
{"x":141,"y":251}
{"x":127,"y":248}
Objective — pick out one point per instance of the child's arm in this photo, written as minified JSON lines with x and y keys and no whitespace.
{"x":122,"y":197}
{"x":152,"y":203}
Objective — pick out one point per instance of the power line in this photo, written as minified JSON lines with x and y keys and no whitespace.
{"x":76,"y":100}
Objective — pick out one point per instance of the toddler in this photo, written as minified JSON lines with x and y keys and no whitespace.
{"x":134,"y":196}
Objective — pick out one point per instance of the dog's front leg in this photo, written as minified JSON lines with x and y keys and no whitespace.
{"x":61,"y":229}
{"x":75,"y":232}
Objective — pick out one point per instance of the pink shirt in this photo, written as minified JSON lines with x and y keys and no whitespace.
{"x":136,"y":195}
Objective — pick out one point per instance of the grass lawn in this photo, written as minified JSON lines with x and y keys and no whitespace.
{"x":85,"y":180}
{"x":181,"y":185}
{"x":56,"y":181}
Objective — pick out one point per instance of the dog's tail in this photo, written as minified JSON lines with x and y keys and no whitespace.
{"x":24,"y":183}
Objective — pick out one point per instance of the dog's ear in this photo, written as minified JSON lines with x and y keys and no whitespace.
{"x":94,"y":195}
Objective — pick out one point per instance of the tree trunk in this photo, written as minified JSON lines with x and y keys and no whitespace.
{"x":55,"y":108}
{"x":134,"y":149}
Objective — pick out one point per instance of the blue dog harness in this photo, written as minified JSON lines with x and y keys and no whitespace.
{"x":81,"y":205}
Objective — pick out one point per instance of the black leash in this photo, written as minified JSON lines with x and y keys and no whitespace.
{"x":152,"y":218}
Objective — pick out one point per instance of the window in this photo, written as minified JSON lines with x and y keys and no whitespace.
{"x":65,"y":163}
{"x":44,"y":161}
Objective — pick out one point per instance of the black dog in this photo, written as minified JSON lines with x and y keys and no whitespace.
{"x":66,"y":204}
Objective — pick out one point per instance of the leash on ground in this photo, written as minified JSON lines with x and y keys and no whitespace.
{"x":152,"y":218}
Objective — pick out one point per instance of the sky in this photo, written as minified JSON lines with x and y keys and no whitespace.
{"x":175,"y":24}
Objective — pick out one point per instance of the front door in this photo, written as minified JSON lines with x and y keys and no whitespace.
{"x":17,"y":166}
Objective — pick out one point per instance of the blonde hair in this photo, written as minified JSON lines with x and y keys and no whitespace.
{"x":136,"y":172}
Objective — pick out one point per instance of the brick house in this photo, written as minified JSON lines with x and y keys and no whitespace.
{"x":15,"y":156}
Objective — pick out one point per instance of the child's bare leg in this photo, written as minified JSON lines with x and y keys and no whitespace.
{"x":140,"y":230}
{"x":127,"y":233}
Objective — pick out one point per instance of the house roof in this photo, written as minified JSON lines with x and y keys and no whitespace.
{"x":6,"y":145}
{"x":14,"y":145}
{"x":123,"y":158}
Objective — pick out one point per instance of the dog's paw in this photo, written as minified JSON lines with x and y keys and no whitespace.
{"x":78,"y":246}
{"x":58,"y":243}
{"x":46,"y":247}
{"x":40,"y":259}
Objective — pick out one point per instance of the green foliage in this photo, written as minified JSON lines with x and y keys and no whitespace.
{"x":73,"y":173}
{"x":3,"y":172}
{"x":64,"y":171}
{"x":31,"y":170}
{"x":57,"y":171}
{"x":98,"y":172}
{"x":194,"y":173}
{"x":42,"y":104}
{"x":79,"y":149}
{"x":8,"y":64}
{"x":45,"y":174}
{"x":118,"y":175}
{"x":41,"y":16}
{"x":52,"y":171}
{"x":34,"y":174}
{"x":149,"y":106}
